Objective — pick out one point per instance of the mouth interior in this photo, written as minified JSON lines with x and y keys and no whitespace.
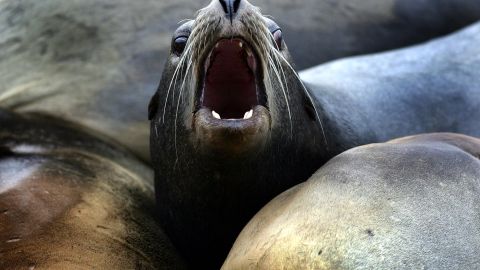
{"x":230,"y":88}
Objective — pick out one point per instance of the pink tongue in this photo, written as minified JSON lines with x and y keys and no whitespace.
{"x":230,"y":88}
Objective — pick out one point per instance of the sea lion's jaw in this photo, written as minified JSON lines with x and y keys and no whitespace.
{"x":231,"y":115}
{"x":235,"y":136}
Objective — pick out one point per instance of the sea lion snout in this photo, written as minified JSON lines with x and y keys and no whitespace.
{"x":230,"y":7}
{"x":231,"y":11}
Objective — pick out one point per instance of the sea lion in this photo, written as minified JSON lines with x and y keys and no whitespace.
{"x":210,"y":148}
{"x":411,"y":203}
{"x":432,"y":87}
{"x":71,"y":201}
{"x":86,"y":61}
{"x":232,"y":125}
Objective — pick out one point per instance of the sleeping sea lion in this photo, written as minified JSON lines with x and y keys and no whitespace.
{"x":71,"y":201}
{"x":412,"y":203}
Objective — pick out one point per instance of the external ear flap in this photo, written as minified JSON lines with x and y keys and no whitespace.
{"x":153,"y":106}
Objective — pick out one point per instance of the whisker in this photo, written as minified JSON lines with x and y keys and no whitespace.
{"x":184,"y":21}
{"x":180,"y":65}
{"x":305,"y":89}
{"x":195,"y":45}
{"x":275,"y":70}
{"x":174,"y":78}
{"x":265,"y":40}
{"x":176,"y":113}
{"x":276,"y":67}
{"x":276,"y":54}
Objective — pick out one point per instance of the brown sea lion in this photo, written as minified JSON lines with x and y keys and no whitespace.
{"x":233,"y":125}
{"x":411,"y":203}
{"x":71,"y":201}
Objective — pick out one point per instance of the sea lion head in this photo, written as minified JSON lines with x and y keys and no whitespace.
{"x":229,"y":82}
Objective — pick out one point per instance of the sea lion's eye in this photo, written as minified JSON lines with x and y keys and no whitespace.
{"x":277,"y":35}
{"x":179,"y":45}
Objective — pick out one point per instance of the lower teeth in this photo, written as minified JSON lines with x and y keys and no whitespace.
{"x":247,"y":115}
{"x":216,"y":115}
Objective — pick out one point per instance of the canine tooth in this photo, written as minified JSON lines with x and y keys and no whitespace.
{"x":216,"y":115}
{"x":240,"y":44}
{"x":248,"y":114}
{"x":207,"y":63}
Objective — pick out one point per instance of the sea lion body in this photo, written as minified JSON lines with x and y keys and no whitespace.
{"x":411,"y":203}
{"x":216,"y":166}
{"x":432,"y":87}
{"x":71,"y":201}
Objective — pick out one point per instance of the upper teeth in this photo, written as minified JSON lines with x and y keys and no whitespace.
{"x":240,"y":44}
{"x":247,"y":115}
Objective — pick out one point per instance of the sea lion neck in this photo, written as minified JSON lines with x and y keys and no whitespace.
{"x":205,"y":200}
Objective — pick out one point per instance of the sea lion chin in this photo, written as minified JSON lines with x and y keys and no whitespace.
{"x":231,"y":136}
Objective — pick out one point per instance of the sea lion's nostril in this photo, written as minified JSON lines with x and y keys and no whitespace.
{"x":230,"y":7}
{"x":236,"y":4}
{"x":224,"y":5}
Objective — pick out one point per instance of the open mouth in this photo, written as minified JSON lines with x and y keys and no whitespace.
{"x":232,"y":82}
{"x":232,"y":114}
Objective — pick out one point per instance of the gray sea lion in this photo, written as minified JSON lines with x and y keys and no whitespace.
{"x":411,"y":203}
{"x":97,"y":62}
{"x":71,"y":201}
{"x":433,"y":87}
{"x":232,"y":125}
